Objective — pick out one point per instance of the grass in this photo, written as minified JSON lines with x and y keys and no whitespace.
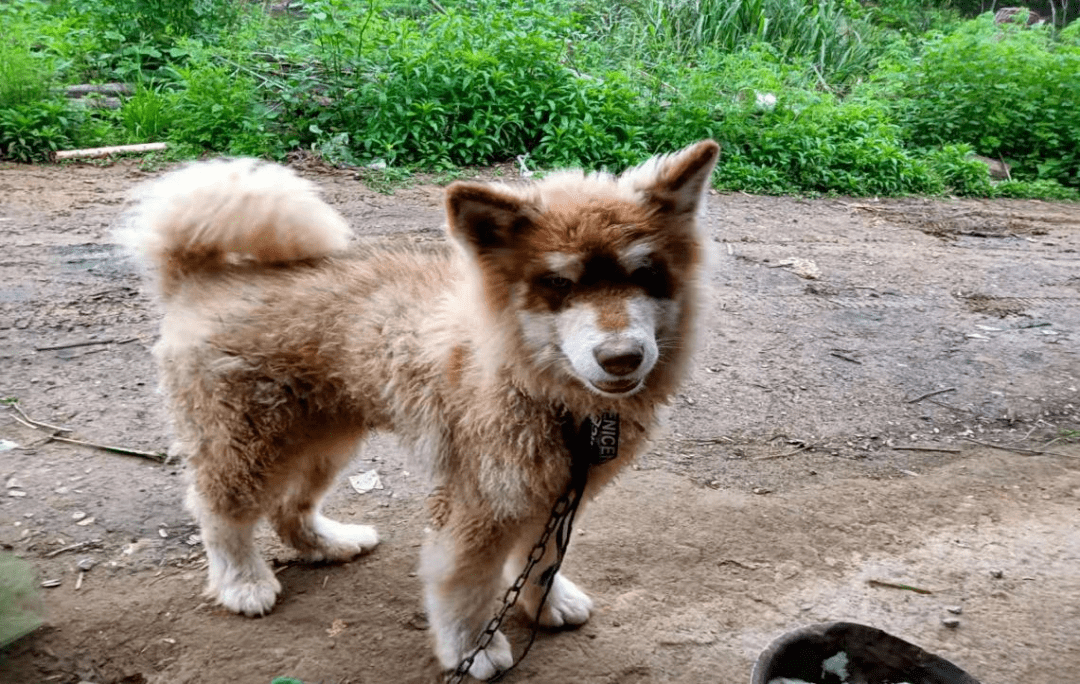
{"x":21,"y":608}
{"x":806,"y":96}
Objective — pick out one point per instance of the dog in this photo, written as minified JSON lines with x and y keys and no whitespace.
{"x":285,"y":342}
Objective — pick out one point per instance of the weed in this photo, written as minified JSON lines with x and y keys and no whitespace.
{"x":1008,"y":91}
{"x":21,"y":608}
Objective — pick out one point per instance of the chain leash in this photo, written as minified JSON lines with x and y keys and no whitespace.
{"x":600,"y":441}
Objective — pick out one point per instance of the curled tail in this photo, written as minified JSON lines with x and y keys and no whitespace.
{"x":212,"y":215}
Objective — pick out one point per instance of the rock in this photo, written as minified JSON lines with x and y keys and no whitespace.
{"x":951,"y":622}
{"x":86,"y":564}
{"x":955,"y":610}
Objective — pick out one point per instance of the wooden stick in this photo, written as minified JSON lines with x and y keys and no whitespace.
{"x":893,"y":585}
{"x":103,"y":88}
{"x":98,"y":152}
{"x":1019,"y":450}
{"x":769,"y":457}
{"x":912,"y":448}
{"x":846,"y":358}
{"x":74,"y":547}
{"x":36,"y":424}
{"x":931,"y":394}
{"x":152,"y":455}
{"x":87,"y":343}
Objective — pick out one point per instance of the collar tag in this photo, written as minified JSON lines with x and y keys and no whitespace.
{"x":604,"y":437}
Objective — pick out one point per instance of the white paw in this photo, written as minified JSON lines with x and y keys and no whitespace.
{"x":253,"y":598}
{"x":341,"y":542}
{"x":566,"y":604}
{"x":496,"y":658}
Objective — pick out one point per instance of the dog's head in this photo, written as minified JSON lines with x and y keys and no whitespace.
{"x":596,"y":272}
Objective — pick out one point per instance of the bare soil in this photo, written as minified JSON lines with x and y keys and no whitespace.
{"x":807,"y":467}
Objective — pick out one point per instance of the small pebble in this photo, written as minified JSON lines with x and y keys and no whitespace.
{"x":49,"y":584}
{"x":84,"y":522}
{"x":951,"y":623}
{"x":16,"y":493}
{"x":78,"y":515}
{"x":955,"y":610}
{"x":997,"y":574}
{"x":85,"y":564}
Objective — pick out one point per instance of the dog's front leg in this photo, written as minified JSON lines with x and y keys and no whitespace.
{"x":566,"y":604}
{"x":461,"y":565}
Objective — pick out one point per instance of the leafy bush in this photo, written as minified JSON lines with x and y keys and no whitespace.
{"x":959,"y":171}
{"x":215,"y":108}
{"x":21,"y":608}
{"x":148,"y":115}
{"x":30,"y":132}
{"x":25,"y":76}
{"x":476,"y":88}
{"x":832,"y":34}
{"x":1007,"y":91}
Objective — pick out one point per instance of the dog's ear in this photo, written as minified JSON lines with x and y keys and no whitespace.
{"x":484,"y":217}
{"x":681,"y":178}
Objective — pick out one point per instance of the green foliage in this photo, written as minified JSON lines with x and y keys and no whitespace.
{"x":1035,"y":189}
{"x":960,"y":173}
{"x":25,"y":76}
{"x":215,"y":108}
{"x":21,"y":608}
{"x":474,"y":88}
{"x":29,"y":132}
{"x":832,"y":34}
{"x":806,"y":96}
{"x":161,"y":21}
{"x":1007,"y":91}
{"x":913,"y":17}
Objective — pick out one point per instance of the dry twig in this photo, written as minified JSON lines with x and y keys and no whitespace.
{"x":931,"y":394}
{"x":38,"y":425}
{"x":893,"y":585}
{"x":926,"y":448}
{"x":74,"y":547}
{"x":1019,"y":450}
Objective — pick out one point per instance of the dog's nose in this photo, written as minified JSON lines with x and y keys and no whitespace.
{"x":619,"y":359}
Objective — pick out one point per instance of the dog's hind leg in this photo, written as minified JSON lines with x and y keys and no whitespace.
{"x":566,"y":604}
{"x":461,"y":565}
{"x":297,"y":518}
{"x":239,"y":578}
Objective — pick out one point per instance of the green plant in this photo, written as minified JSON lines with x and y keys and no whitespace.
{"x":21,"y":608}
{"x":148,"y":115}
{"x":216,"y":107}
{"x":1006,"y":90}
{"x":30,"y":132}
{"x":959,"y":171}
{"x":832,"y":34}
{"x":1035,"y":189}
{"x":25,"y":76}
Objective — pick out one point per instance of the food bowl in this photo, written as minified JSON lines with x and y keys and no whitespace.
{"x":850,"y":653}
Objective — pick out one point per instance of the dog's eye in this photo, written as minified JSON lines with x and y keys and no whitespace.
{"x":556,"y":282}
{"x":653,"y":279}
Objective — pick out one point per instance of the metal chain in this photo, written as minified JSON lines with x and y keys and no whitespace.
{"x":597,"y":442}
{"x":563,"y":511}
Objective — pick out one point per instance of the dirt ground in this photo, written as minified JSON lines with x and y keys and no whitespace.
{"x":807,"y":461}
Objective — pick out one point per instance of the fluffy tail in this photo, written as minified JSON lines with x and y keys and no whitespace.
{"x":212,"y":215}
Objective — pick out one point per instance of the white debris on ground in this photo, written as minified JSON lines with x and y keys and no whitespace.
{"x":365,"y":482}
{"x":804,"y":268}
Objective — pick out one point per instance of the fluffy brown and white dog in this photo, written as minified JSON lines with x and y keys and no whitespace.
{"x":283,"y":345}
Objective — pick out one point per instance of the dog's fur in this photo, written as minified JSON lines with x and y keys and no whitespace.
{"x":282,"y":347}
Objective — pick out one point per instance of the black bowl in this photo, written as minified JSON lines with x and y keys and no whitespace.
{"x":871,"y":656}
